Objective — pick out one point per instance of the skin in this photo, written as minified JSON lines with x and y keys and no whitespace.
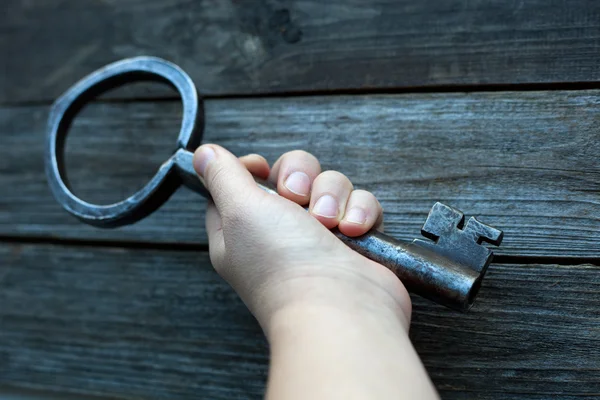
{"x":337,"y":322}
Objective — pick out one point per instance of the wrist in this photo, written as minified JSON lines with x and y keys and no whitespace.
{"x":341,"y":297}
{"x":329,"y":318}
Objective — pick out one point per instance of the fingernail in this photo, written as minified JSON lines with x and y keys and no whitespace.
{"x":299,"y":183}
{"x":356,"y":215}
{"x":203,"y":156}
{"x":326,"y":207}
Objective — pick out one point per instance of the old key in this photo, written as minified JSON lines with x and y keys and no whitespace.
{"x":447,"y":268}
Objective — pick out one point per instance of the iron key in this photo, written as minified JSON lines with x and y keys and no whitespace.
{"x":447,"y":268}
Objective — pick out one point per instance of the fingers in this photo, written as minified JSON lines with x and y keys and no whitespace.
{"x":331,"y":197}
{"x":225,"y":177}
{"x":362,"y":213}
{"x":334,"y":203}
{"x":330,"y":194}
{"x":294,"y":173}
{"x":257,"y":165}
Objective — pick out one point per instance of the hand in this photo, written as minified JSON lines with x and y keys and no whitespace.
{"x":336,"y":322}
{"x":276,"y":255}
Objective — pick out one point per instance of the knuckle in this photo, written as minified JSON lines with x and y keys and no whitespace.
{"x":251,"y":155}
{"x":335,"y":177}
{"x":363,"y":194}
{"x":255,"y":157}
{"x":300,"y":156}
{"x":366,"y":197}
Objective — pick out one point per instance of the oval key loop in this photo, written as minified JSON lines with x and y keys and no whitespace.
{"x":164,"y":182}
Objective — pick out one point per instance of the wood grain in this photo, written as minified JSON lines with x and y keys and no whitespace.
{"x":235,"y":47}
{"x":524,"y":162}
{"x":7,"y":393}
{"x":161,"y":324}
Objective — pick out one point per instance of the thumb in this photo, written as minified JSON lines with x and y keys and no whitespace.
{"x":225,"y":177}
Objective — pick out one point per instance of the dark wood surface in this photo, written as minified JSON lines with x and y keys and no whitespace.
{"x":162,"y":324}
{"x":525,"y":162}
{"x":138,"y":313}
{"x":233,"y":47}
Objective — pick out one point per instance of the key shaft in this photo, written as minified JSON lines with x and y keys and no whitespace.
{"x":421,"y":270}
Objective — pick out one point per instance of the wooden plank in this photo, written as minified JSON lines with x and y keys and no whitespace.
{"x":524,"y":162}
{"x":234,"y":47}
{"x":24,"y":394}
{"x":161,"y":324}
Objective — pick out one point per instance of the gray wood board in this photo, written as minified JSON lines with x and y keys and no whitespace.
{"x":8,"y":393}
{"x":161,"y":324}
{"x":524,"y":162}
{"x":234,"y":47}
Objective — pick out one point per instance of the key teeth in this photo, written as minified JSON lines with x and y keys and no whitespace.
{"x":483,"y":232}
{"x":444,"y":226}
{"x":441,"y":219}
{"x":452,"y":215}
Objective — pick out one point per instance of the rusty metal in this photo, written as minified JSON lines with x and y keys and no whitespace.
{"x":447,"y":268}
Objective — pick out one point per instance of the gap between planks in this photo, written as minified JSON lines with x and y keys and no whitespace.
{"x":201,"y":247}
{"x":363,"y":91}
{"x":16,"y":393}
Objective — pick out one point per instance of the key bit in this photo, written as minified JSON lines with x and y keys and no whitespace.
{"x":444,"y":226}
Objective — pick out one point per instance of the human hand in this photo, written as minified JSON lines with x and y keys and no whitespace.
{"x":276,"y":255}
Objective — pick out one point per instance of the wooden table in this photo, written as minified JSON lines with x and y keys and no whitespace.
{"x":490,"y":106}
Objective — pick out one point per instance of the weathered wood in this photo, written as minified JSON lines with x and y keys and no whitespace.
{"x":232,"y":47}
{"x":7,"y":393}
{"x":524,"y":162}
{"x":161,"y":324}
{"x":148,"y":324}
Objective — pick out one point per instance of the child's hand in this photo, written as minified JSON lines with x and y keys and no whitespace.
{"x":336,"y":322}
{"x":276,"y":255}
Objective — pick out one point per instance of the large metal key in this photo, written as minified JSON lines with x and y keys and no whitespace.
{"x":447,"y":268}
